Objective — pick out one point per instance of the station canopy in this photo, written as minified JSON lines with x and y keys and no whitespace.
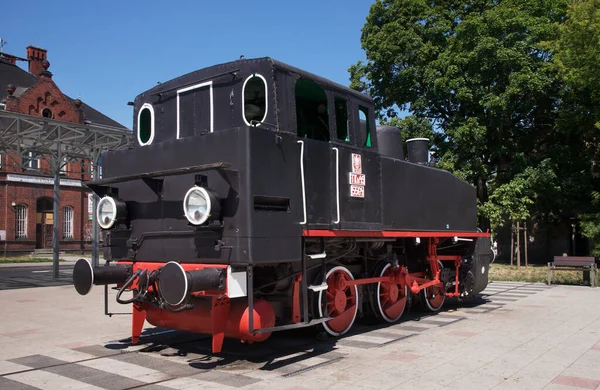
{"x":52,"y":140}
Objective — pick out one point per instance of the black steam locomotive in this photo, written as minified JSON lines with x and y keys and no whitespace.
{"x":258,"y":197}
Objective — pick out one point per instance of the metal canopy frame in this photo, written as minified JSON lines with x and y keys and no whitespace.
{"x":58,"y":142}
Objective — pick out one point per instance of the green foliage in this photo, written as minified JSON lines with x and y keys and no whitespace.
{"x":590,"y":225}
{"x":511,"y":89}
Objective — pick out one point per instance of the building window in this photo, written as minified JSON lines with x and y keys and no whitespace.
{"x":254,"y":103}
{"x":145,"y":125}
{"x":67,"y":222}
{"x":21,"y":221}
{"x":29,"y":161}
{"x":47,"y":113}
{"x":64,"y":166}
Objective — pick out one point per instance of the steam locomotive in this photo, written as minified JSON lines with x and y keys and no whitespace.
{"x":257,"y":197}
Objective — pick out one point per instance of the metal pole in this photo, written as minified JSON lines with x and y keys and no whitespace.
{"x":518,"y":244}
{"x":56,"y":216}
{"x":512,"y":242}
{"x":95,"y":235}
{"x":526,"y":246}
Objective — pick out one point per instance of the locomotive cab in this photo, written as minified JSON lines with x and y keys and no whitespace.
{"x":254,"y":191}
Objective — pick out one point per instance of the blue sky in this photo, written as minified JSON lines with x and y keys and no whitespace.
{"x":107,"y":52}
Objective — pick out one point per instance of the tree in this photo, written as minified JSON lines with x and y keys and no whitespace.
{"x":577,"y":52}
{"x":479,"y":70}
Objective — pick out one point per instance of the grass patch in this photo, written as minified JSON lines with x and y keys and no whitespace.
{"x":26,"y":259}
{"x":533,"y":274}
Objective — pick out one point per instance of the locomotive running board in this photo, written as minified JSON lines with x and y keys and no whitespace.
{"x":151,"y":175}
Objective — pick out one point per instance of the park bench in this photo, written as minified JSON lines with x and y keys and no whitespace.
{"x":574,"y":263}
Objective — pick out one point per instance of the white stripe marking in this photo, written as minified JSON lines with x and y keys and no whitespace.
{"x":128,"y":370}
{"x":49,"y":380}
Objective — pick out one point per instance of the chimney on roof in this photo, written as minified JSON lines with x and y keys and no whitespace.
{"x":36,"y":57}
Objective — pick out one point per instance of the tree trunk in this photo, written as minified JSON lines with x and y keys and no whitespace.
{"x":482,"y":195}
{"x":512,"y":242}
{"x":518,"y":244}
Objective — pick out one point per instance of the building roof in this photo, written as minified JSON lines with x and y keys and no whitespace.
{"x":23,"y":80}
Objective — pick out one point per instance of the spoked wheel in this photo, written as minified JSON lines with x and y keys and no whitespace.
{"x":339,"y":301}
{"x":388,"y":299}
{"x":434,"y":296}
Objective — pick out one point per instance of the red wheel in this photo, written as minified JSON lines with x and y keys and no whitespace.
{"x":339,"y":301}
{"x":388,"y":299}
{"x":434,"y":296}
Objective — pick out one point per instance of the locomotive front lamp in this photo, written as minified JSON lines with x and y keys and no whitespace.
{"x":199,"y":204}
{"x":109,"y":211}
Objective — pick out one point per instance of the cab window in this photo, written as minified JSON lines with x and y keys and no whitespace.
{"x":341,"y":119}
{"x":365,"y":124}
{"x":312,"y":113}
{"x":254,"y":100}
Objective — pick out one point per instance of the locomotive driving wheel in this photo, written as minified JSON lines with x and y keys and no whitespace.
{"x":339,"y":301}
{"x":388,"y":298}
{"x":434,"y":296}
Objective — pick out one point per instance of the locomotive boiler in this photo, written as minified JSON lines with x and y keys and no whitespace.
{"x":257,"y":197}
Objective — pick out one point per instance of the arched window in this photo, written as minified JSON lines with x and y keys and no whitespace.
{"x":254,"y":100}
{"x":145,"y":125}
{"x":20,"y":221}
{"x":68,"y":222}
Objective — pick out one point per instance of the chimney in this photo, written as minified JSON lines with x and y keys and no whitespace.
{"x":36,"y":56}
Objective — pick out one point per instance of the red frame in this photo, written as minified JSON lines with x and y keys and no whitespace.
{"x":388,"y":234}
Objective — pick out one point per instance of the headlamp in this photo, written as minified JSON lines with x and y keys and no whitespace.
{"x":109,"y":211}
{"x":199,"y":205}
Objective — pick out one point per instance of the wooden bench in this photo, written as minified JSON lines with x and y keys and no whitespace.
{"x":574,"y":263}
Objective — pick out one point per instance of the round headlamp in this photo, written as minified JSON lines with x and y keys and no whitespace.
{"x":109,"y":211}
{"x":199,"y":205}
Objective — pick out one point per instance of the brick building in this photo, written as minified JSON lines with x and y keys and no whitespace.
{"x":26,"y":182}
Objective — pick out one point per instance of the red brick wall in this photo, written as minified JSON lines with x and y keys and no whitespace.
{"x":28,"y":194}
{"x":45,"y":94}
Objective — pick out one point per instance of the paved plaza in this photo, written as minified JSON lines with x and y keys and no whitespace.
{"x":514,"y":336}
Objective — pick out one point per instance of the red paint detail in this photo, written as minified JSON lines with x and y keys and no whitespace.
{"x":356,"y":163}
{"x":341,"y":301}
{"x":596,"y":347}
{"x":356,"y":282}
{"x":296,"y":300}
{"x":199,"y":319}
{"x":574,"y":381}
{"x":137,"y":323}
{"x":342,"y":321}
{"x":387,"y":233}
{"x":220,"y":313}
{"x":392,"y":298}
{"x":416,"y":287}
{"x":186,"y":266}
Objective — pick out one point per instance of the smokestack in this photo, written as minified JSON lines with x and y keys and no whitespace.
{"x":418,"y":150}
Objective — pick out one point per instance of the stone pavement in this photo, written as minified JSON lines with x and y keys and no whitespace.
{"x":515,"y":336}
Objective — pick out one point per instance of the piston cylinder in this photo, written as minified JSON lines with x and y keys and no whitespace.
{"x":200,"y":319}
